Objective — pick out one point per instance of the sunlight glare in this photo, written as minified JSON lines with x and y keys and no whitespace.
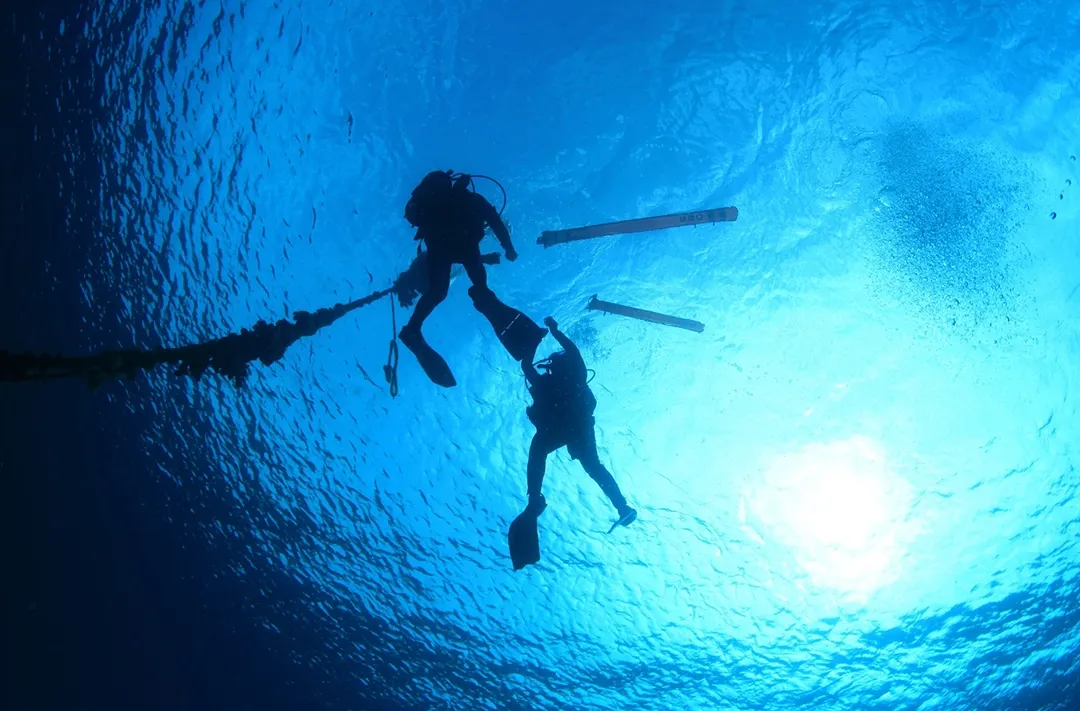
{"x":840,"y":509}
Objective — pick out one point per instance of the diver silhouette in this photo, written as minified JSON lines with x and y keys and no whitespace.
{"x":562,"y":412}
{"x":451,"y":219}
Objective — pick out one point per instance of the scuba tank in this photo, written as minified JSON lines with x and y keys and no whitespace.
{"x":559,"y":397}
{"x":436,"y":191}
{"x":433,"y":192}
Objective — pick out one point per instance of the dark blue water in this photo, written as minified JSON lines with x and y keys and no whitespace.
{"x":857,"y":488}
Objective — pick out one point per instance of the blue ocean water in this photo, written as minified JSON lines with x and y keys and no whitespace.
{"x":857,"y":488}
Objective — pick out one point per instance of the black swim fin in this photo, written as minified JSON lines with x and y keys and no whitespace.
{"x":522,"y":337}
{"x":524,"y":538}
{"x":626,"y":517}
{"x":429,"y":359}
{"x":519,"y":334}
{"x":524,"y":535}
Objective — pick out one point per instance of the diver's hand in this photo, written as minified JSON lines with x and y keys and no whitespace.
{"x":550,"y":323}
{"x":511,"y":255}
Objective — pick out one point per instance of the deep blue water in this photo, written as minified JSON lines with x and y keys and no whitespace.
{"x":857,"y":488}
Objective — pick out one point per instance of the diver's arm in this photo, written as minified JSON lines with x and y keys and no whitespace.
{"x":412,"y":282}
{"x":567,"y":345}
{"x":502,"y":233}
{"x":528,"y":368}
{"x":530,"y":372}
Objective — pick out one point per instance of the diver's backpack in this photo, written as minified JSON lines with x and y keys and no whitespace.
{"x":429,"y":197}
{"x":557,"y":405}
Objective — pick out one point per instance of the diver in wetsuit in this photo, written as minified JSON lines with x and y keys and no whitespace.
{"x":562,"y":412}
{"x":450,"y":220}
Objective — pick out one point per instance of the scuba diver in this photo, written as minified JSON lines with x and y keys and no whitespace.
{"x":562,"y":412}
{"x":450,"y":219}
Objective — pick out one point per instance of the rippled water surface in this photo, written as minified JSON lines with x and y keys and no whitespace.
{"x":857,"y":488}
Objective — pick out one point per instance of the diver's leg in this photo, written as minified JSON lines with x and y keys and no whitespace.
{"x":524,"y":536}
{"x":583,"y":448}
{"x":474,"y":267}
{"x":438,"y":288}
{"x":539,"y":450}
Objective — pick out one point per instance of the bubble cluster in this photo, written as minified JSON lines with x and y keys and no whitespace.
{"x":1061,"y":195}
{"x":948,"y":211}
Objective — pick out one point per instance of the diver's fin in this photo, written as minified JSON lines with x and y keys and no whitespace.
{"x":519,"y":334}
{"x":626,"y":518}
{"x":432,"y":363}
{"x":524,"y":539}
{"x":522,"y":337}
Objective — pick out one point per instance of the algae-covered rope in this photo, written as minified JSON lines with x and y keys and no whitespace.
{"x":228,"y":356}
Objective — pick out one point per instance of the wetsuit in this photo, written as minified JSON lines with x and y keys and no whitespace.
{"x":452,"y":232}
{"x":562,"y":412}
